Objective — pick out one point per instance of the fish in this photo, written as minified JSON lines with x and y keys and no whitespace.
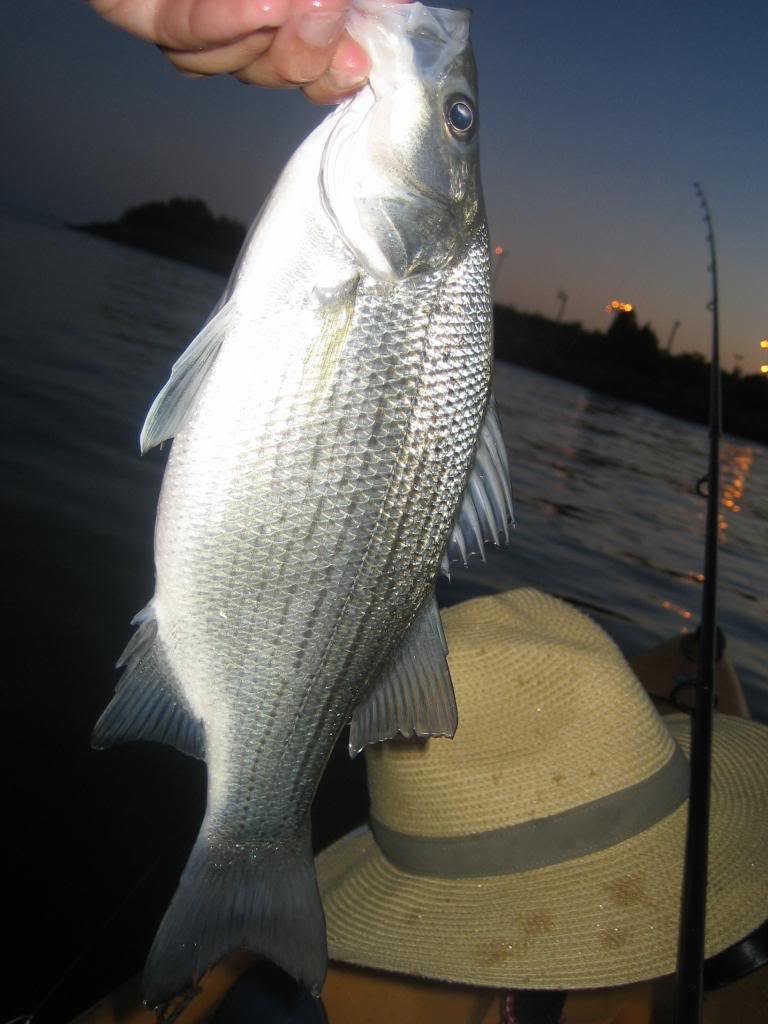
{"x":335,"y":447}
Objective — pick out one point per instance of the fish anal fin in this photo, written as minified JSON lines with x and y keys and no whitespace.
{"x":257,"y":896}
{"x":147,"y":704}
{"x":414,"y":696}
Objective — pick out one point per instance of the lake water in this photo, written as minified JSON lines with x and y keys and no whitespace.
{"x":606,"y":516}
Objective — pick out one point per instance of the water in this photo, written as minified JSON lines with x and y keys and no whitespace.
{"x":606,"y":516}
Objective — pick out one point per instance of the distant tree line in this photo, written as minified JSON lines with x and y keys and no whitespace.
{"x":627,"y":362}
{"x":183,"y":229}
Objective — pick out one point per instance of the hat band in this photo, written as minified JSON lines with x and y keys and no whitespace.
{"x":542,"y":841}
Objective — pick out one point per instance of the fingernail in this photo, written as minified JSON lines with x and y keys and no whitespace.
{"x":320,"y":28}
{"x":345,"y":81}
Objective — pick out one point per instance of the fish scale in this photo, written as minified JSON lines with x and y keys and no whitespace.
{"x":334,"y":444}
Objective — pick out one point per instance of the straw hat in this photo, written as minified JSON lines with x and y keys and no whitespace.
{"x":542,"y":847}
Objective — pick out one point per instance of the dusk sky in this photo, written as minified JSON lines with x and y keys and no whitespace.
{"x":596,"y":119}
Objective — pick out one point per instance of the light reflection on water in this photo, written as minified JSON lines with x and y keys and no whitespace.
{"x":735,"y":464}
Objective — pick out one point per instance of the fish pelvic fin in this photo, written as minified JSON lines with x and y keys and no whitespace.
{"x":485,"y":514}
{"x":188,"y":375}
{"x":260,"y":896}
{"x":414,"y":696}
{"x":147,"y":704}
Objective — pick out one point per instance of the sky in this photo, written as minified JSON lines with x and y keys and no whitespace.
{"x":596,"y":119}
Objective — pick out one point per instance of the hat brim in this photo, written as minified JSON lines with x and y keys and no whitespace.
{"x":608,"y":918}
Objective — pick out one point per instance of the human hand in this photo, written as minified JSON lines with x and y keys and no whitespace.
{"x":277,"y":43}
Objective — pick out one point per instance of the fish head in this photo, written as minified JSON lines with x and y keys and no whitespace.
{"x":399,"y":176}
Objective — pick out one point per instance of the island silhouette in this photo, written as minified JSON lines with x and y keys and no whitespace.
{"x":626,"y":361}
{"x":181,"y":229}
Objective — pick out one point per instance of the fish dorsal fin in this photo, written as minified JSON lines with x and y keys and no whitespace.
{"x":147,"y":704}
{"x":414,"y":695}
{"x":486,"y":509}
{"x":172,"y":405}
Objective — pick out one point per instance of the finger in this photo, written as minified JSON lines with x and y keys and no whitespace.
{"x":262,"y":72}
{"x":347,"y":72}
{"x":191,"y":24}
{"x":222,"y":59}
{"x":330,"y":87}
{"x":305,"y":44}
{"x":300,"y":52}
{"x":217,"y":21}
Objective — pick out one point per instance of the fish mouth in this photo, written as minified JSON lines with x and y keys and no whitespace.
{"x":436,"y":35}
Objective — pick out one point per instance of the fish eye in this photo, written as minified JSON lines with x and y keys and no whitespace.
{"x":459,"y":116}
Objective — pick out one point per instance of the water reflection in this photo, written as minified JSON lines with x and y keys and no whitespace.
{"x":684,"y":613}
{"x":735,"y":465}
{"x":608,"y":515}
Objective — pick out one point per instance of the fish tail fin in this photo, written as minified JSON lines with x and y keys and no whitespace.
{"x":259,"y":896}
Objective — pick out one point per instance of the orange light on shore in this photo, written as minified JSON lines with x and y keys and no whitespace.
{"x":614,"y":306}
{"x":498,"y":250}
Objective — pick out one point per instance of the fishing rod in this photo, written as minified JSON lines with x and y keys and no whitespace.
{"x":690,"y":955}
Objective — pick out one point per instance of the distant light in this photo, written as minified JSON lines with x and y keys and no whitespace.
{"x":498,"y":250}
{"x":616,"y":306}
{"x":764,"y":368}
{"x":764,"y":343}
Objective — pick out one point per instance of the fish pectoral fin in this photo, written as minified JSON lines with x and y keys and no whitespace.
{"x":147,"y":705}
{"x":260,"y":897}
{"x":414,"y":696}
{"x":485,"y":514}
{"x":172,"y":405}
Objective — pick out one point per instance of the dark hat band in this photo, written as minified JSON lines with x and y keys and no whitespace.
{"x":542,"y":842}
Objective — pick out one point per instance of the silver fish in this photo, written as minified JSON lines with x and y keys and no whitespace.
{"x":335,"y":443}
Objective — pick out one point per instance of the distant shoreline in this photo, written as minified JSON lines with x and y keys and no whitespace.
{"x":627,"y":362}
{"x":179,"y":229}
{"x":624,"y":362}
